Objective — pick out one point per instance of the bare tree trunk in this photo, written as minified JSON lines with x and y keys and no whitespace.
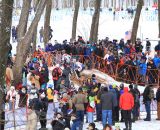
{"x":75,"y":17}
{"x":57,"y":4}
{"x":24,"y":44}
{"x":95,"y":22}
{"x":85,"y":4}
{"x":159,"y":17}
{"x":136,"y":21}
{"x":22,"y":26}
{"x":47,"y":21}
{"x":6,"y":8}
{"x":36,"y":5}
{"x":34,"y":40}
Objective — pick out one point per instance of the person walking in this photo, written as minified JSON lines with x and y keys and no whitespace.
{"x":126,"y":104}
{"x":158,"y":103}
{"x":107,"y":101}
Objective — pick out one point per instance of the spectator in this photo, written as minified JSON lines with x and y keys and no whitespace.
{"x":127,"y":104}
{"x":158,"y":103}
{"x":107,"y":101}
{"x":41,"y":31}
{"x":79,"y":100}
{"x":148,"y":95}
{"x":14,"y":34}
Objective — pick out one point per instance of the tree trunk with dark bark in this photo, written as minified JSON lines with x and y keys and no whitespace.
{"x":6,"y":8}
{"x":159,"y":17}
{"x":24,"y":44}
{"x":136,"y":21}
{"x":85,"y":4}
{"x":95,"y":22}
{"x":47,"y":21}
{"x":75,"y":17}
{"x":22,"y":26}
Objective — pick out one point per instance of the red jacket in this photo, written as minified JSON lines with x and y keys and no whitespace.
{"x":90,"y":109}
{"x":126,"y":100}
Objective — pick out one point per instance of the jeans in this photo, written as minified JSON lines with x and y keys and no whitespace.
{"x":148,"y":109}
{"x":106,"y":116}
{"x":11,"y":107}
{"x":90,"y":117}
{"x":98,"y":112}
{"x":80,"y":115}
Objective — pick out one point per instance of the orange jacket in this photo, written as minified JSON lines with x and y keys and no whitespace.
{"x":126,"y":100}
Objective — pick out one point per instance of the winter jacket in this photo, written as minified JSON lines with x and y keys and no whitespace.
{"x":146,"y":94}
{"x":158,"y":95}
{"x":76,"y":124}
{"x":107,"y":101}
{"x":32,"y":120}
{"x":91,"y":104}
{"x":79,"y":100}
{"x":115,"y":97}
{"x":56,"y":73}
{"x":156,"y":61}
{"x":58,"y":125}
{"x":9,"y":76}
{"x":142,"y":69}
{"x":126,"y":100}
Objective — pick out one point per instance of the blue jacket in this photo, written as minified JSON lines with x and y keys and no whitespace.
{"x":156,"y":61}
{"x":142,"y":69}
{"x":88,"y":51}
{"x":111,"y":58}
{"x":76,"y":124}
{"x":127,"y":50}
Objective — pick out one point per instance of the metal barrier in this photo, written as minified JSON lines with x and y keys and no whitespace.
{"x":120,"y":72}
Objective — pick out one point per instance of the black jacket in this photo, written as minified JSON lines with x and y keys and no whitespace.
{"x":158,"y":95}
{"x":146,"y":94}
{"x":107,"y":101}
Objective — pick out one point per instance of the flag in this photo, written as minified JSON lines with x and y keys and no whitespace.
{"x":127,"y":35}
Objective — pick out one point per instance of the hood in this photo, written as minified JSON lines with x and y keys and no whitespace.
{"x":125,"y":89}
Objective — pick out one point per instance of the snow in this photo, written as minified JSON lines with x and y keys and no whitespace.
{"x":61,"y":22}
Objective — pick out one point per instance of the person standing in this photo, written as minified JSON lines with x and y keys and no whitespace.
{"x":107,"y":101}
{"x":32,"y":119}
{"x":43,"y":109}
{"x":9,"y":76}
{"x":41,"y":31}
{"x":158,"y":103}
{"x":127,"y":104}
{"x":147,"y":97}
{"x":79,"y":100}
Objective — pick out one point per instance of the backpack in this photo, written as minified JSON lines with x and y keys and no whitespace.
{"x":151,"y":93}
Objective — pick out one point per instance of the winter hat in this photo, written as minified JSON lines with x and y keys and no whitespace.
{"x":50,"y":85}
{"x":110,"y":87}
{"x":114,"y":86}
{"x":105,"y":89}
{"x":42,"y":95}
{"x":80,"y":89}
{"x":92,"y":125}
{"x":131,"y":86}
{"x":12,"y":88}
